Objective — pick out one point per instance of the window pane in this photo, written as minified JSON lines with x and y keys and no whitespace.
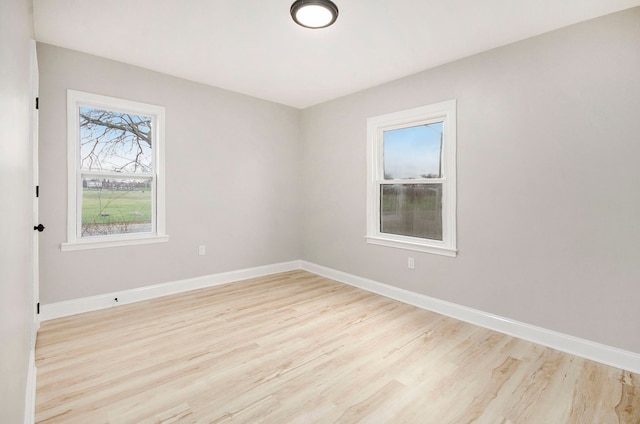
{"x":115,"y":141}
{"x":413,"y":152}
{"x":413,"y":210}
{"x":116,"y":206}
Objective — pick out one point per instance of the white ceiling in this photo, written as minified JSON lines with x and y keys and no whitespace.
{"x":254,"y":47}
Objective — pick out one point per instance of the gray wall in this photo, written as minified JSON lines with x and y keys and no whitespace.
{"x":232,"y":180}
{"x":548,"y":182}
{"x":16,"y":31}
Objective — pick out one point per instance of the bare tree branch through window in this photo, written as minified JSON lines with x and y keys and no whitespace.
{"x":115,"y":141}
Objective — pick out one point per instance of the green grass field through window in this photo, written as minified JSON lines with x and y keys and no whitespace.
{"x":112,"y":211}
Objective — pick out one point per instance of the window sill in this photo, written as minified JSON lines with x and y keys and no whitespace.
{"x":112,"y":242}
{"x":408,"y":245}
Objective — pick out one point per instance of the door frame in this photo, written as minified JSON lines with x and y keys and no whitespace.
{"x":33,"y":143}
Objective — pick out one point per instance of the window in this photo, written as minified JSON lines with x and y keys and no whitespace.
{"x":115,"y":172}
{"x":411,"y":198}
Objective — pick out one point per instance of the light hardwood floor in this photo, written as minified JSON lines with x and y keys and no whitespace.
{"x":298,"y":348}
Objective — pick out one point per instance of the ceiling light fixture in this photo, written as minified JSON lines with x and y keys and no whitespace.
{"x":314,"y":13}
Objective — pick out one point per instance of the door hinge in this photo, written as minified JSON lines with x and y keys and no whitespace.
{"x":37,"y":102}
{"x":37,"y":191}
{"x":38,"y":308}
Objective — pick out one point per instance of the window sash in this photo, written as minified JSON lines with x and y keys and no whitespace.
{"x":404,"y":210}
{"x":113,"y":175}
{"x":426,"y":122}
{"x":121,"y":111}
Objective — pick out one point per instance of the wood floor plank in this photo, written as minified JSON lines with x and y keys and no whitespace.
{"x":298,"y":348}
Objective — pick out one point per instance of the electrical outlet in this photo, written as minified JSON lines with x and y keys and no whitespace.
{"x":202,"y":250}
{"x":411,"y":264}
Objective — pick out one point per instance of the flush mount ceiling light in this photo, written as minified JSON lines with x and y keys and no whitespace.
{"x":314,"y":13}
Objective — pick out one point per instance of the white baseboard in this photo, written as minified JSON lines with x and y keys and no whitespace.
{"x":608,"y":355}
{"x":87,"y":304}
{"x":30,"y":394}
{"x":604,"y":354}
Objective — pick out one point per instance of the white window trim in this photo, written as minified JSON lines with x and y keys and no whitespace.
{"x":74,"y":100}
{"x":444,"y":111}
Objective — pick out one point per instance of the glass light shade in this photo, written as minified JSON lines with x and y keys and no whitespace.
{"x":314,"y":13}
{"x":314,"y":16}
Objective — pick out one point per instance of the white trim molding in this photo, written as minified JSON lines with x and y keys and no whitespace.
{"x":583,"y":348}
{"x":587,"y":349}
{"x":115,"y":242}
{"x":439,"y":113}
{"x":103,"y":301}
{"x":30,"y":393}
{"x":75,"y":172}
